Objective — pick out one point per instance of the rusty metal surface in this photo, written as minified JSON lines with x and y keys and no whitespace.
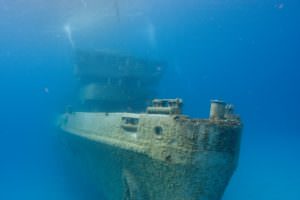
{"x":156,"y":156}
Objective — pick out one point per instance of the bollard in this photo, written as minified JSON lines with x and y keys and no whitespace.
{"x":217,"y":110}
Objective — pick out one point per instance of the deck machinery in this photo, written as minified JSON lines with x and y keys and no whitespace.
{"x":155,"y":154}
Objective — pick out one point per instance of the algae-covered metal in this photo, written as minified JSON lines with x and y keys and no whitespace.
{"x":159,"y":154}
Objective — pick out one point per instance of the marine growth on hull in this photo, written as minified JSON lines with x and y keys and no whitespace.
{"x":137,"y":149}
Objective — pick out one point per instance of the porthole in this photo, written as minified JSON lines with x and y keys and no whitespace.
{"x":158,"y":131}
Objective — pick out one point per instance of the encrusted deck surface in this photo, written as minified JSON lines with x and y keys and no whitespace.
{"x":156,"y":156}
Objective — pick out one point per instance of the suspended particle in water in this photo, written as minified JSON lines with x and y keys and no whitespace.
{"x":279,"y":6}
{"x":46,"y":90}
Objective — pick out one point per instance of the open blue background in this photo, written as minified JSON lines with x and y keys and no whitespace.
{"x":245,"y":52}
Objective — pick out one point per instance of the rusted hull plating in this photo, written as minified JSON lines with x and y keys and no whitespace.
{"x":196,"y":166}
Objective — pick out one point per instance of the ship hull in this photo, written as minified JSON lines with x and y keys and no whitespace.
{"x":127,"y":175}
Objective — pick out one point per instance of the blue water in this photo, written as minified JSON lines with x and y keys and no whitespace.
{"x":243,"y":51}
